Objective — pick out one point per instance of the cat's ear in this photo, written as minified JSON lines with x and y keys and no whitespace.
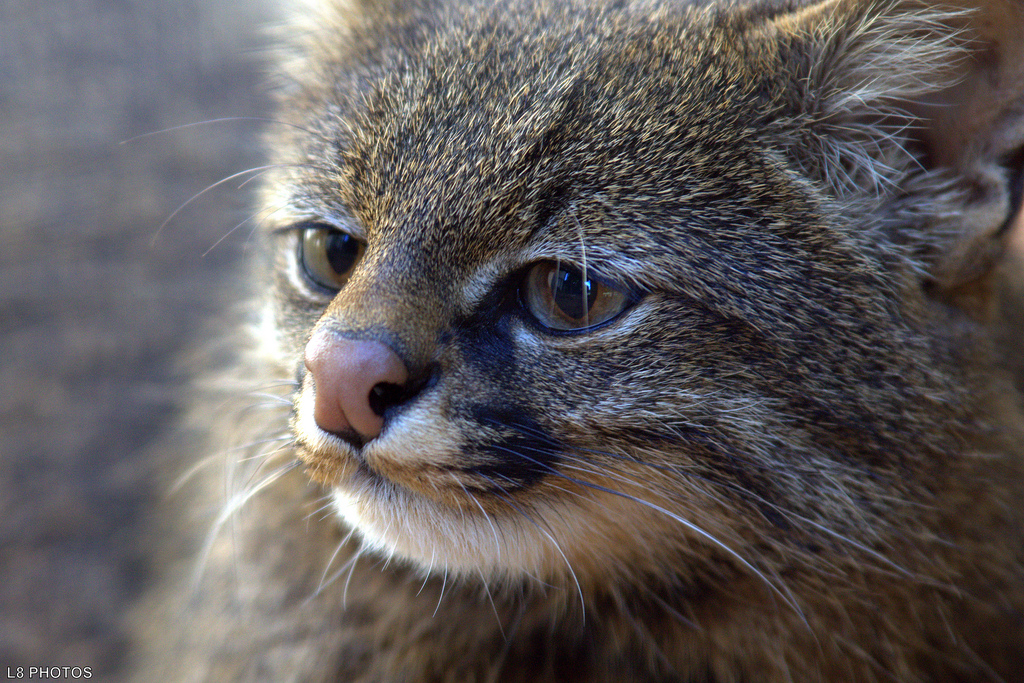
{"x":922,"y":105}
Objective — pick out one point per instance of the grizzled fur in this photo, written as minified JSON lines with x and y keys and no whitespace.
{"x":795,"y":455}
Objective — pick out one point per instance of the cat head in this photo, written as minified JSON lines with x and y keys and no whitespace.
{"x":578,"y":290}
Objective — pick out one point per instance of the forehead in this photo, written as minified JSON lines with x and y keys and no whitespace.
{"x":472,"y":119}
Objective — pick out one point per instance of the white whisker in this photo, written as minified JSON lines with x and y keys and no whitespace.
{"x":494,"y":529}
{"x":233,"y":504}
{"x":223,"y":119}
{"x":579,"y":588}
{"x":323,"y":583}
{"x":782,"y":591}
{"x":207,"y":189}
{"x":351,"y":571}
{"x":444,"y":583}
{"x":490,"y":598}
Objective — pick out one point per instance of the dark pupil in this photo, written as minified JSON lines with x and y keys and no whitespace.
{"x":342,"y":252}
{"x":567,"y":290}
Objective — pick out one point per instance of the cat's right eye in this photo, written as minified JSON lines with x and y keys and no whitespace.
{"x":329,"y":255}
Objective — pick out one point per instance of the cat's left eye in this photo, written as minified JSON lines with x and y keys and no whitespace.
{"x":329,"y":255}
{"x":560,"y":297}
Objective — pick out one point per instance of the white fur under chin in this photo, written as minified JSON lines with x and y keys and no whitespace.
{"x":396,"y":523}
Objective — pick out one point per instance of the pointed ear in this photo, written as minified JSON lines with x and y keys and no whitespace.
{"x":913,"y":113}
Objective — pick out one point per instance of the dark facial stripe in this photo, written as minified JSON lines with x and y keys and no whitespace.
{"x":520,"y":454}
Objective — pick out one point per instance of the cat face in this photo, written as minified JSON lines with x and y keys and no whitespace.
{"x":565,"y":303}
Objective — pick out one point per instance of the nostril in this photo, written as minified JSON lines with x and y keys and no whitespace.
{"x":384,"y":395}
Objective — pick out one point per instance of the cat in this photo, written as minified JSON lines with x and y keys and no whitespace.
{"x":625,"y":341}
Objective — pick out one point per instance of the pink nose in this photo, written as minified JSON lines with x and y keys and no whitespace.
{"x":354,"y":380}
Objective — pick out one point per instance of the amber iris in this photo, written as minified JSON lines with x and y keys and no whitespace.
{"x":329,"y":255}
{"x":561,"y":297}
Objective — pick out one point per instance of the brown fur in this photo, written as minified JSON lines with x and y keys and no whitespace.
{"x":796,"y":456}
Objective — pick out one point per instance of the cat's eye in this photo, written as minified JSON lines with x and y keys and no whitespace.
{"x":561,"y":298}
{"x":329,"y":255}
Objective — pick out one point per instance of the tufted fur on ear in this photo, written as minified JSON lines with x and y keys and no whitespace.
{"x":910,"y":115}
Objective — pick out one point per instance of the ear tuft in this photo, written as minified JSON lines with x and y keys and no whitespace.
{"x":913,"y":112}
{"x":858,"y":65}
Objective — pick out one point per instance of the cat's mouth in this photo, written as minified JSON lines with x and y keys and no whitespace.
{"x":399,"y":495}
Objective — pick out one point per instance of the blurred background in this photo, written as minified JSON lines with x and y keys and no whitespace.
{"x":97,"y":306}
